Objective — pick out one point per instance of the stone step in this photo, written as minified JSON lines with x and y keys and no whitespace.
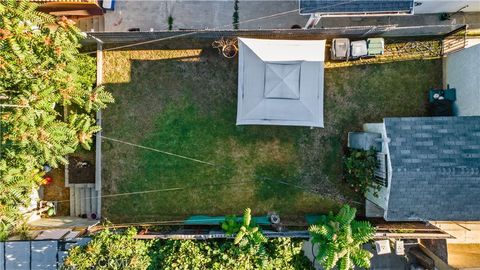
{"x":94,"y":200}
{"x":72,"y":201}
{"x":83,"y":200}
{"x":78,"y":200}
{"x":83,"y":211}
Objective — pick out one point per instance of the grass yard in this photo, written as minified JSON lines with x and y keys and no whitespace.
{"x":184,"y":101}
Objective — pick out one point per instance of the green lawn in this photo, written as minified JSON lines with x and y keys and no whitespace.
{"x":184,"y":102}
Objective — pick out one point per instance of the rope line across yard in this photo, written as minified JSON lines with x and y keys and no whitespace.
{"x":159,"y":151}
{"x":198,"y":186}
{"x":195,"y":186}
{"x":163,"y":190}
{"x":211,"y":184}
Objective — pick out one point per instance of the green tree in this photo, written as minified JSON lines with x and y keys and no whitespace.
{"x":339,"y":239}
{"x":110,"y":250}
{"x":42,"y":75}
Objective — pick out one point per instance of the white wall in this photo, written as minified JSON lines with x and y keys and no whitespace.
{"x":383,"y":194}
{"x":462,"y":72}
{"x":448,"y":6}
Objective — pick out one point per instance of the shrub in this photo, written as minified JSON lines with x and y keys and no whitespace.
{"x":178,"y":254}
{"x":247,"y":235}
{"x":110,"y":250}
{"x":339,"y":239}
{"x":170,"y":22}
{"x":278,"y":253}
{"x":360,"y":171}
{"x":235,"y":15}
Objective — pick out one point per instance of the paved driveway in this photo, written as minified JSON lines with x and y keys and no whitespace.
{"x":154,"y":15}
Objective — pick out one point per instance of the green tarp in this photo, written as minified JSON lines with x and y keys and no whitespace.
{"x":216,"y":220}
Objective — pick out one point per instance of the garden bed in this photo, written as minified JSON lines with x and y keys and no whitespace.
{"x":183,"y":101}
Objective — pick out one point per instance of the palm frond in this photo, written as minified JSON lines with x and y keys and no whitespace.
{"x":247,"y":217}
{"x":361,"y":258}
{"x":339,"y":239}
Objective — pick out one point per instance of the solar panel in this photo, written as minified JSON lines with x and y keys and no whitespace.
{"x":355,"y":6}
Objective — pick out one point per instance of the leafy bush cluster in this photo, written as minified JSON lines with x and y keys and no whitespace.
{"x":110,"y":250}
{"x":41,"y":74}
{"x":360,"y":171}
{"x":278,"y":253}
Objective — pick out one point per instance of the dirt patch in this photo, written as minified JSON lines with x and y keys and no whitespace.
{"x":80,"y":170}
{"x":56,"y":191}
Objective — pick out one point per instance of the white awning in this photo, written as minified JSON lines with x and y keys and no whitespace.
{"x":280,"y":82}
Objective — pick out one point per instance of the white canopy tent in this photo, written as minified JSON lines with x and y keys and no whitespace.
{"x":280,"y":82}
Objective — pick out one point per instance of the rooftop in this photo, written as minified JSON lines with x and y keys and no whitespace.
{"x":435,"y":168}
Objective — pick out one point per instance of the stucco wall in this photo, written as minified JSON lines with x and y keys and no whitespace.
{"x":462,"y":71}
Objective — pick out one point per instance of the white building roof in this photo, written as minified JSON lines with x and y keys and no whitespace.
{"x":280,"y":82}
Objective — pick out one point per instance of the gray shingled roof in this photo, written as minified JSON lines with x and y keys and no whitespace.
{"x":435,"y":168}
{"x":355,"y":6}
